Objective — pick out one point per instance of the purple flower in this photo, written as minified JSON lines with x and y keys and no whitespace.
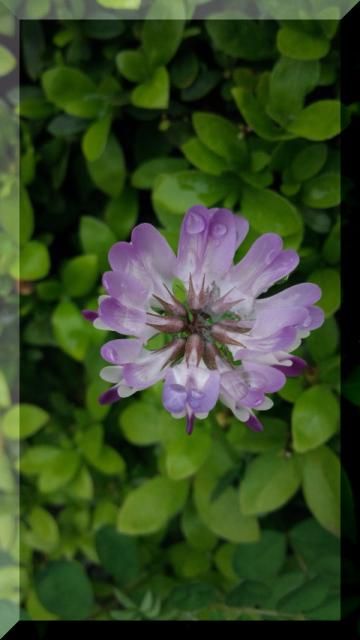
{"x":224,"y":340}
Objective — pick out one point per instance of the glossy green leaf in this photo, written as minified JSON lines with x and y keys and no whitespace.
{"x":63,"y":469}
{"x":222,"y":137}
{"x":203,"y":158}
{"x":290,"y":82}
{"x":148,"y":508}
{"x":34,"y":261}
{"x":315,"y":418}
{"x":118,"y":555}
{"x":7,"y":61}
{"x":309,"y":161}
{"x":64,"y":589}
{"x":146,"y":173}
{"x":253,"y":40}
{"x":143,"y":425}
{"x":329,"y":282}
{"x":23,"y":420}
{"x":121,"y":213}
{"x":108,"y":169}
{"x":305,"y":597}
{"x":177,"y":192}
{"x":79,"y":275}
{"x":96,"y":239}
{"x":270,"y":481}
{"x":321,"y":487}
{"x":161,"y":38}
{"x":274,"y":436}
{"x":132,"y":65}
{"x":72,"y":91}
{"x":323,"y":342}
{"x":256,"y":117}
{"x":319,"y":121}
{"x":70,"y":330}
{"x":196,"y":533}
{"x":267,"y":211}
{"x":192,"y":596}
{"x":331,"y":249}
{"x":44,"y":530}
{"x":184,"y":456}
{"x":95,"y":139}
{"x":188,"y":562}
{"x":153,"y":93}
{"x":323,"y":191}
{"x":264,"y":558}
{"x":294,"y":41}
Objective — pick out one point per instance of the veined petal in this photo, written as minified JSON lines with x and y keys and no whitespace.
{"x":194,"y":389}
{"x":271,"y":320}
{"x":300,"y":295}
{"x":123,"y":319}
{"x":127,"y":289}
{"x":154,"y":252}
{"x":121,"y":351}
{"x":149,"y":367}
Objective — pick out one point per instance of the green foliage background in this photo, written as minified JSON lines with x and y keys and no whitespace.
{"x":123,"y":515}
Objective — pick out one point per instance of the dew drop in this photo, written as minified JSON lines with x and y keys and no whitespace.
{"x":194,"y":224}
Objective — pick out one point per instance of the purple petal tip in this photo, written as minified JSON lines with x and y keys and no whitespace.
{"x":190,"y":420}
{"x":109,"y":397}
{"x":90,"y":315}
{"x":254,"y":424}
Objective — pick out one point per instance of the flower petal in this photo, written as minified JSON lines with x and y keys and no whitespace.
{"x":123,"y":319}
{"x":121,"y":351}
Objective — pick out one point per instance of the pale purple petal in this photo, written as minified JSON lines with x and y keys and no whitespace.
{"x":149,"y":368}
{"x":127,"y":289}
{"x":241,"y":228}
{"x":316,"y":318}
{"x":125,"y":320}
{"x":270,"y":320}
{"x":154,"y":252}
{"x":121,"y":351}
{"x":174,"y":396}
{"x":300,"y":295}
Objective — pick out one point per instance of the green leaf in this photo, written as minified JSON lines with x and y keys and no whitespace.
{"x":270,"y":481}
{"x":148,"y":508}
{"x":322,"y":191}
{"x":222,"y":515}
{"x":26,"y":217}
{"x":202,"y":158}
{"x":222,"y":137}
{"x":121,"y":213}
{"x":119,"y":4}
{"x":7,"y":61}
{"x":313,"y":544}
{"x":96,"y":238}
{"x":249,"y":40}
{"x":331,"y":248}
{"x":64,"y":589}
{"x":95,"y":139}
{"x":174,"y":194}
{"x":146,"y":174}
{"x":81,"y":487}
{"x":34,"y":261}
{"x":132,"y":65}
{"x":184,"y":456}
{"x":294,"y":41}
{"x":153,"y":93}
{"x":315,"y":418}
{"x":37,"y":458}
{"x":118,"y":555}
{"x":191,"y":596}
{"x":142,"y":424}
{"x":161,"y":38}
{"x":72,"y":91}
{"x":323,"y":342}
{"x":256,"y":117}
{"x":264,"y":558}
{"x":267,"y":211}
{"x":44,"y":534}
{"x":70,"y":330}
{"x":309,"y":161}
{"x":248,"y":593}
{"x":290,"y":82}
{"x":319,"y":121}
{"x":196,"y":533}
{"x":79,"y":275}
{"x":188,"y":562}
{"x":321,"y":487}
{"x":5,"y":398}
{"x":305,"y":597}
{"x":63,"y":469}
{"x":274,"y":436}
{"x":329,"y":283}
{"x":108,"y":170}
{"x":23,"y":420}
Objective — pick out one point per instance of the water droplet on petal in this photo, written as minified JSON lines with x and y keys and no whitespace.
{"x":194,"y":224}
{"x":218,"y":230}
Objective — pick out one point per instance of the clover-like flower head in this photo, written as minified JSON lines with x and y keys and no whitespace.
{"x":223,"y":339}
